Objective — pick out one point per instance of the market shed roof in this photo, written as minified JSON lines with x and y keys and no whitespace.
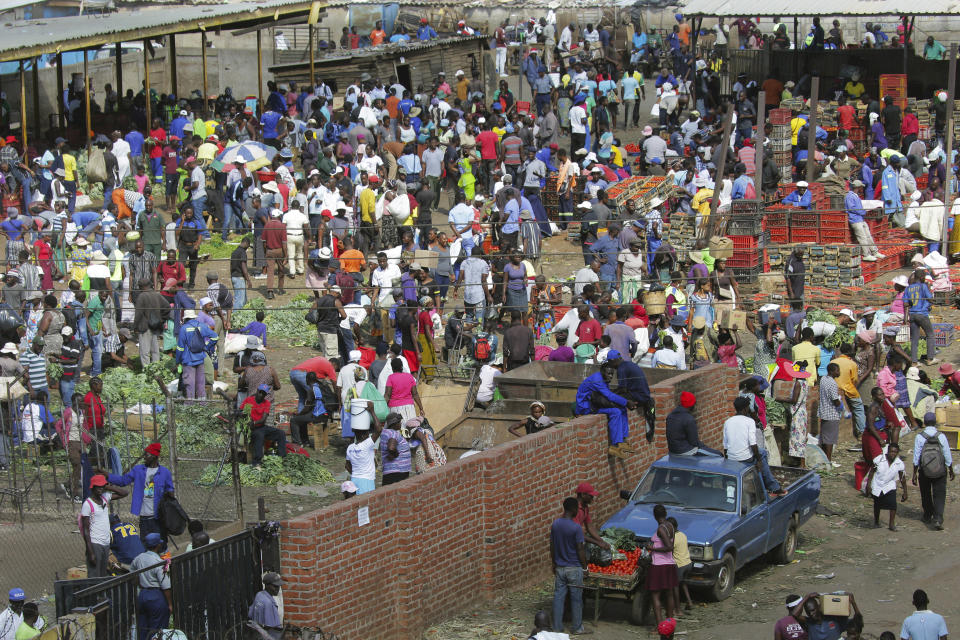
{"x":734,"y":8}
{"x":29,"y":38}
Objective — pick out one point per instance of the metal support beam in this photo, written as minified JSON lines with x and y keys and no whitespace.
{"x":949,"y":188}
{"x":812,"y":126}
{"x":119,"y":61}
{"x":36,"y":99}
{"x":146,"y":83}
{"x":203,"y":63}
{"x":86,"y":99}
{"x":173,"y":65}
{"x":313,"y":74}
{"x":758,"y":142}
{"x":23,"y":107}
{"x":59,"y":101}
{"x":260,"y":73}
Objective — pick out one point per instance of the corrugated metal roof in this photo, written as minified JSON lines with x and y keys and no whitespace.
{"x":28,"y":38}
{"x":787,"y":8}
{"x":340,"y":55}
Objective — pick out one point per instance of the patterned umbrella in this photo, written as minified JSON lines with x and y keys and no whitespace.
{"x":248,"y":151}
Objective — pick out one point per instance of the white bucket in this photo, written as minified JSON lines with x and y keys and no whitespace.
{"x":359,"y":414}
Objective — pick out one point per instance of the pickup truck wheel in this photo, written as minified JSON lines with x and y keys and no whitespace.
{"x":638,"y":606}
{"x":723,"y":587}
{"x":788,"y":547}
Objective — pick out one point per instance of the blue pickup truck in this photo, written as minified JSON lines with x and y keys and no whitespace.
{"x":725,"y":511}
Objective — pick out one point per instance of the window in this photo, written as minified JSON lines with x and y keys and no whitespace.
{"x":752,"y":496}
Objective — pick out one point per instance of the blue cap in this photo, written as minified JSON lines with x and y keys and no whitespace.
{"x":613,"y":354}
{"x":265,"y":388}
{"x":17,"y":595}
{"x":762,"y":382}
{"x":497,"y":106}
{"x":152,"y":539}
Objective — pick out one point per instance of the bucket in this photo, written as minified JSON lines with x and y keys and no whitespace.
{"x":655,"y":302}
{"x":860,"y":469}
{"x":359,"y":415}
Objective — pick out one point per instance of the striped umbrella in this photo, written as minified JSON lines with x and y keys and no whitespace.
{"x":245,"y":152}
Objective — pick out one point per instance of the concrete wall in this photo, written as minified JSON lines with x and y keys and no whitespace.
{"x":472,"y":529}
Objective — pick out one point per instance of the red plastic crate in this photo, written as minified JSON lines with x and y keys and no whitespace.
{"x":744,"y":258}
{"x":744,"y":242}
{"x":834,"y":236}
{"x":780,"y":116}
{"x":779,"y":235}
{"x":922,"y":181}
{"x":801,"y":234}
{"x":808,"y":220}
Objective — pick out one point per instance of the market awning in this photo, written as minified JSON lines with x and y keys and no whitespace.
{"x":28,"y":38}
{"x":783,"y":8}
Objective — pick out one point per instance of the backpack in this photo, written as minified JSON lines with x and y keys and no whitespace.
{"x":932,"y":462}
{"x":224,"y":297}
{"x":172,"y":516}
{"x":481,"y":349}
{"x":70,"y":315}
{"x":195,"y":341}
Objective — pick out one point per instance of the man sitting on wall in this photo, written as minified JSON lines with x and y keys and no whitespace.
{"x":594,"y":396}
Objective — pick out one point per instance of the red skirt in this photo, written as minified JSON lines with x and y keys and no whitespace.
{"x":661,"y":577}
{"x":871,"y":446}
{"x":412,"y":360}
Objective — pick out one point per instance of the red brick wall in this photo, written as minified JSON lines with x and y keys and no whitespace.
{"x":472,"y":529}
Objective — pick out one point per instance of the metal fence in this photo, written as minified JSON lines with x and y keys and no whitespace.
{"x":39,"y":537}
{"x":211,"y":588}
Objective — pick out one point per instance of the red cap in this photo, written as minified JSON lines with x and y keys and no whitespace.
{"x":326,"y":213}
{"x":172,"y":138}
{"x":153,"y":449}
{"x":587,"y":488}
{"x":374,"y":179}
{"x":554,"y":146}
{"x":687,"y":400}
{"x":423,"y":21}
{"x":98,"y":480}
{"x":10,"y":139}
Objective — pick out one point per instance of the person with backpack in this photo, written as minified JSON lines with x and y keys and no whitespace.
{"x":932,"y":463}
{"x":151,"y":312}
{"x":194,"y":342}
{"x":94,"y":524}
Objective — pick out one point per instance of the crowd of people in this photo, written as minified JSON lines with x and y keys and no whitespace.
{"x":384,"y":203}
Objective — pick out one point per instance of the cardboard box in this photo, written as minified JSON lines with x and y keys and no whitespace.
{"x":76,"y":573}
{"x":730,"y":318}
{"x":835,"y":605}
{"x":948,"y":415}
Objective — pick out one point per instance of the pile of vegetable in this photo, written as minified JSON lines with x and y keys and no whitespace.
{"x":291,"y":469}
{"x":121,"y":385}
{"x":286,"y":321}
{"x":625,"y":566}
{"x":839,"y":337}
{"x":199,"y":429}
{"x":620,"y":538}
{"x":218,"y":249}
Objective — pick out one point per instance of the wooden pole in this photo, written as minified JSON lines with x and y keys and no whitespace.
{"x":119,"y":61}
{"x":812,"y":126}
{"x":796,"y":47}
{"x":203,"y":63}
{"x":36,"y":98}
{"x":948,"y":188}
{"x":758,"y":142}
{"x":721,"y":170}
{"x":697,"y":23}
{"x":173,"y":65}
{"x":59,"y":101}
{"x":260,"y":73}
{"x":23,"y":106}
{"x":313,"y":75}
{"x":146,"y":84}
{"x":86,"y":91}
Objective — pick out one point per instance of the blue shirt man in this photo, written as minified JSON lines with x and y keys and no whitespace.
{"x":426,"y":32}
{"x":513,"y":209}
{"x":608,"y":247}
{"x":640,"y":41}
{"x":853,"y":205}
{"x":799,"y":197}
{"x":186,"y":355}
{"x":269,"y":122}
{"x":739,"y":191}
{"x":917,"y":299}
{"x":924,"y":624}
{"x":13,"y":228}
{"x":125,"y":540}
{"x":399,"y":37}
{"x":405,"y":105}
{"x":135,"y":140}
{"x":890,"y":189}
{"x":176,"y":126}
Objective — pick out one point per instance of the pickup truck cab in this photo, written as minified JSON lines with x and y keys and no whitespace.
{"x":725,"y":512}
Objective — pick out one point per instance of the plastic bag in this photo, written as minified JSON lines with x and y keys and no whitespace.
{"x":598,"y":555}
{"x":96,"y":166}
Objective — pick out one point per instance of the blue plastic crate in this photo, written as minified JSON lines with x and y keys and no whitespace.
{"x":942,"y":334}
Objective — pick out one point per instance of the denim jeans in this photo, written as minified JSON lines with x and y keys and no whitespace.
{"x":227,"y":220}
{"x":298,"y":378}
{"x":199,"y":205}
{"x":66,"y":390}
{"x":769,"y":482}
{"x":568,"y":579}
{"x":96,"y":353}
{"x":239,"y":292}
{"x":260,"y":434}
{"x":859,"y":417}
{"x":71,"y":187}
{"x":27,"y":194}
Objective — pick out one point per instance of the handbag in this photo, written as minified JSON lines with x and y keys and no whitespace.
{"x":311,"y":317}
{"x":11,"y":389}
{"x":783,"y":390}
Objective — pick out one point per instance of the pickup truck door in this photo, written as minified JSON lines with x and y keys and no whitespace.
{"x":754,"y":523}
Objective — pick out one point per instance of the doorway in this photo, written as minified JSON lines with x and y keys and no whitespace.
{"x":403,"y":76}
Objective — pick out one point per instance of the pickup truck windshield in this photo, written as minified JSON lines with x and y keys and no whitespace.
{"x":688,"y":488}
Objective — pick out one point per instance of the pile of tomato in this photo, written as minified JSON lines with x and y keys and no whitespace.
{"x":625,"y":567}
{"x":631,"y":148}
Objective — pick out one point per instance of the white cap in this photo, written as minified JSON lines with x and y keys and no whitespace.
{"x":803,"y":183}
{"x":460,"y":71}
{"x":325,"y":253}
{"x":901,"y":280}
{"x":276,"y":213}
{"x":355,"y":355}
{"x":585,"y":205}
{"x":271,"y":187}
{"x":189,"y":314}
{"x":481,"y":120}
{"x":204,"y":301}
{"x":916,"y":195}
{"x":183,"y":112}
{"x":67,"y":330}
{"x":314,"y":172}
{"x":842,"y":147}
{"x":849,"y":313}
{"x":9,"y":348}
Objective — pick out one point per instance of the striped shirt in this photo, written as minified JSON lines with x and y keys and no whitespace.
{"x":36,"y":366}
{"x":70,"y":354}
{"x":142,"y":267}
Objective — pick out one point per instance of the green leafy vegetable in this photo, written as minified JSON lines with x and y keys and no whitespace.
{"x":839,"y":337}
{"x":623,"y":539}
{"x":291,"y":469}
{"x":54,"y":371}
{"x":288,"y":321}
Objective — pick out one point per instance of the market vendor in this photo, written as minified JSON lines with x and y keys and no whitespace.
{"x":585,"y":495}
{"x":951,"y":379}
{"x":800,"y":197}
{"x":595,"y":396}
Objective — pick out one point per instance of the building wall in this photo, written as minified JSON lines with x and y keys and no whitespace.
{"x":473,"y":529}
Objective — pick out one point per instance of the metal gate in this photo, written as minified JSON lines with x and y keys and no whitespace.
{"x":211,"y":587}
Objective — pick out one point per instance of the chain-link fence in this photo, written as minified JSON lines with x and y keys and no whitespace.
{"x":47,"y":456}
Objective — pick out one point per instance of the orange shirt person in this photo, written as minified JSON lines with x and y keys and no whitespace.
{"x":378,"y":35}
